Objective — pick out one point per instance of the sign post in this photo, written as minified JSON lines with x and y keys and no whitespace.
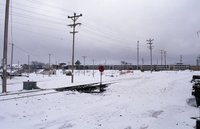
{"x":101,"y":69}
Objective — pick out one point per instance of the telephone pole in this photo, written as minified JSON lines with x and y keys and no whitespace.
{"x":74,"y":19}
{"x":84,"y":63}
{"x":181,"y":59}
{"x":161,"y":57}
{"x":150,"y":43}
{"x":138,"y":55}
{"x":93,"y":67}
{"x":165,"y":57}
{"x":28,"y":65}
{"x":49,"y":63}
{"x":198,"y":33}
{"x":5,"y":50}
{"x":11,"y":62}
{"x":142,"y":63}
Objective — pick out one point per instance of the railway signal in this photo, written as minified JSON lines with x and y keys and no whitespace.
{"x":101,"y":69}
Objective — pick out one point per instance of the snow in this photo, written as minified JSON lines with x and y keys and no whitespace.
{"x":139,"y":100}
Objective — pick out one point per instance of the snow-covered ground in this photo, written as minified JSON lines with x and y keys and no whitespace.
{"x":139,"y":100}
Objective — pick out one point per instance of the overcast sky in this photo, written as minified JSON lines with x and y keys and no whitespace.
{"x":109,"y":32}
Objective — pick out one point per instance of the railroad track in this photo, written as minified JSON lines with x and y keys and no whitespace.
{"x":40,"y":92}
{"x":86,"y":87}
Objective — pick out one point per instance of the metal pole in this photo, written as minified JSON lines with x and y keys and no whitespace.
{"x":5,"y":50}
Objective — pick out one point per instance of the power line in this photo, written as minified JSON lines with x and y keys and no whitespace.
{"x":59,"y":8}
{"x":28,"y":6}
{"x":105,"y":32}
{"x":50,"y":6}
{"x":37,"y":14}
{"x":38,"y":7}
{"x":104,"y":35}
{"x":39,"y":26}
{"x":40,"y":14}
{"x":110,"y":36}
{"x":39,"y":34}
{"x":40,"y":19}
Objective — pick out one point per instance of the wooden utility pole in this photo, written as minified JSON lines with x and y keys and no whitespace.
{"x":142,"y":63}
{"x":165,"y":57}
{"x":5,"y":50}
{"x":181,"y":59}
{"x":49,"y":64}
{"x":84,"y":57}
{"x":74,"y":19}
{"x":161,"y":57}
{"x":150,"y":43}
{"x":11,"y":62}
{"x":28,"y":65}
{"x":138,"y":57}
{"x":93,"y":67}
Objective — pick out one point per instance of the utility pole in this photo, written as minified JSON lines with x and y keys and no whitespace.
{"x":165,"y":57}
{"x":161,"y":57}
{"x":138,"y":57}
{"x":150,"y":43}
{"x":74,"y":19}
{"x":5,"y":50}
{"x":28,"y":65}
{"x":84,"y":63}
{"x":142,"y":63}
{"x":181,"y":59}
{"x":49,"y":63}
{"x":93,"y":67}
{"x":18,"y":67}
{"x":198,"y":33}
{"x":11,"y":62}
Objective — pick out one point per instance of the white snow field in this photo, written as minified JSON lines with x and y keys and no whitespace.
{"x":139,"y":100}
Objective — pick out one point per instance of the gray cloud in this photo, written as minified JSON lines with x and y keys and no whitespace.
{"x":110,"y":29}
